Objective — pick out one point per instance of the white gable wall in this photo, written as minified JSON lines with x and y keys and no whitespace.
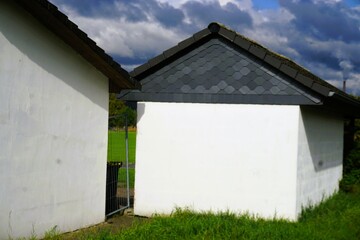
{"x":53,"y":131}
{"x":319,"y":156}
{"x":216,"y":157}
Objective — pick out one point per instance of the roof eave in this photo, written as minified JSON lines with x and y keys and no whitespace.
{"x":59,"y":24}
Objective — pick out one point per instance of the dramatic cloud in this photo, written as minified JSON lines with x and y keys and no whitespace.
{"x":203,"y":13}
{"x":321,"y":35}
{"x":323,"y":21}
{"x":326,"y":32}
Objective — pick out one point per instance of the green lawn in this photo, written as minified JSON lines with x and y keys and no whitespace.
{"x":116,"y":146}
{"x":336,"y":218}
{"x":122,"y":177}
{"x":116,"y":152}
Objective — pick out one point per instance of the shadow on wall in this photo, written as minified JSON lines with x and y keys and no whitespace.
{"x":49,"y":52}
{"x":324,"y":137}
{"x":140,"y":111}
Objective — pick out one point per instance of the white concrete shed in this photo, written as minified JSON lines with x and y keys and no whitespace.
{"x":54,"y":93}
{"x":226,"y":124}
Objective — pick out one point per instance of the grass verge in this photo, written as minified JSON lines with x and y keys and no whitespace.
{"x":335,"y":218}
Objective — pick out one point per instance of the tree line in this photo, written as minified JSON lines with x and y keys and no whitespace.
{"x":119,"y":112}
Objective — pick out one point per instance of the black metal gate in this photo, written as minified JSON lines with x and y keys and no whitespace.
{"x":117,"y":175}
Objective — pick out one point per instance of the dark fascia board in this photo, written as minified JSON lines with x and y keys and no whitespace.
{"x":279,"y":62}
{"x":134,"y":95}
{"x":58,"y":23}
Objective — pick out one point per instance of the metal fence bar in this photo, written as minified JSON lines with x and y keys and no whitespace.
{"x":115,"y":203}
{"x":127,"y":161}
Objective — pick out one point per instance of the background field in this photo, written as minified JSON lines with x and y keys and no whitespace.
{"x":122,"y":177}
{"x":116,"y":146}
{"x":116,"y":153}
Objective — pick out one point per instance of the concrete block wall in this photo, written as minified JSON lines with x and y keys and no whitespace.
{"x":320,"y":152}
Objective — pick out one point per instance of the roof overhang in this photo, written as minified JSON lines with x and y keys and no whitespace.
{"x":58,"y":23}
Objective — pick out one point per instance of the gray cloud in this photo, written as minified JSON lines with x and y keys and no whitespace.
{"x":202,"y":13}
{"x":166,"y":14}
{"x":324,"y":21}
{"x":131,"y":10}
{"x":326,"y":33}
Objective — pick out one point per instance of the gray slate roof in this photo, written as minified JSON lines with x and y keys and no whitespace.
{"x":215,"y":72}
{"x":217,"y":65}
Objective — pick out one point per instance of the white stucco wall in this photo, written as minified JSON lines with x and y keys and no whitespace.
{"x":319,"y":156}
{"x":216,"y":157}
{"x":53,"y":131}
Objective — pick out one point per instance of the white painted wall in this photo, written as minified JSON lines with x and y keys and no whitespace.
{"x":53,"y":131}
{"x":216,"y":157}
{"x":319,"y":156}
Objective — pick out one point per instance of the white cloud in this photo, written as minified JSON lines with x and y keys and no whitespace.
{"x":128,"y":39}
{"x":353,"y":84}
{"x":129,"y":67}
{"x":274,"y":28}
{"x":327,"y":1}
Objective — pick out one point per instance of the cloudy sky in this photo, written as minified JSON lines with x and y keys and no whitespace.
{"x":321,"y":35}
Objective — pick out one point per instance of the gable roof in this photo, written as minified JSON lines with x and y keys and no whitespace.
{"x":217,"y":72}
{"x":316,"y":89}
{"x":58,"y":23}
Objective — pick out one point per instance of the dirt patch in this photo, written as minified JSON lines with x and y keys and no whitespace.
{"x":114,"y":224}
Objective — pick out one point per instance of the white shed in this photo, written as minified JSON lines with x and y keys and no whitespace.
{"x":54,"y":93}
{"x":226,"y":124}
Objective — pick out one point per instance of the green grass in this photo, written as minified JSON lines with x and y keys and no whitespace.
{"x":116,"y":146}
{"x":122,"y":177}
{"x":336,"y":218}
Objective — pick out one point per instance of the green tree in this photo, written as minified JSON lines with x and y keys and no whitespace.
{"x":117,"y":112}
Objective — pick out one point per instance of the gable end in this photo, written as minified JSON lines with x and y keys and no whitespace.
{"x":220,"y":72}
